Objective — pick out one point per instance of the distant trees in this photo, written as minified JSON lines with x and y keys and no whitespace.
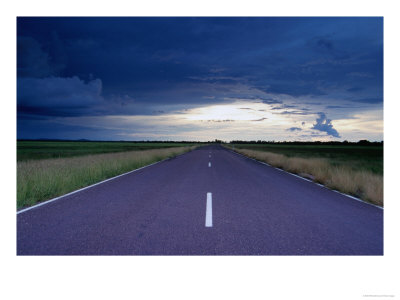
{"x":217,"y":141}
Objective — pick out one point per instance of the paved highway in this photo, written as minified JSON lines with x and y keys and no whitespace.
{"x":207,"y":202}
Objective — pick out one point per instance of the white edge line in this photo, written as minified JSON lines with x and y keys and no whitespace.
{"x":298,"y":176}
{"x":90,"y":186}
{"x":321,"y":185}
{"x":209,"y":210}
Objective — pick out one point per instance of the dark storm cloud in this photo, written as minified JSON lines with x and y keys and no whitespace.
{"x":369,"y":100}
{"x":335,"y":106}
{"x":91,"y":66}
{"x":58,"y":96}
{"x":355,"y":89}
{"x":298,"y":89}
{"x":32,"y":60}
{"x":136,"y":55}
{"x":324,"y":43}
{"x":325,"y":125}
{"x":46,"y":128}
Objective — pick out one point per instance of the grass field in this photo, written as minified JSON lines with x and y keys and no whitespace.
{"x":43,"y":179}
{"x":27,"y":150}
{"x":355,"y":170}
{"x":358,"y":158}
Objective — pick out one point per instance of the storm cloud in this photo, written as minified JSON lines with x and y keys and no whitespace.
{"x":154,"y":66}
{"x":58,"y":95}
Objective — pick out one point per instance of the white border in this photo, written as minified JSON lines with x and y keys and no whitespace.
{"x":231,"y":277}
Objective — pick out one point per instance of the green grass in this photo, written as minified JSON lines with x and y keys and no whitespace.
{"x":352,"y":169}
{"x":358,"y":158}
{"x":28,"y":150}
{"x":43,"y":179}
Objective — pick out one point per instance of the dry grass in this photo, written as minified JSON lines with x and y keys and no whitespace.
{"x":39,"y":180}
{"x":363,"y":184}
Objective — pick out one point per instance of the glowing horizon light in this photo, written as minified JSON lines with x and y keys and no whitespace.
{"x":233,"y":112}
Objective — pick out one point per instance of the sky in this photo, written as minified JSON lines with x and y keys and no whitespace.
{"x":200,"y":79}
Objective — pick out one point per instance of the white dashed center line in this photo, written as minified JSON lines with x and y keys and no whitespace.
{"x":209,"y":164}
{"x":209,"y":210}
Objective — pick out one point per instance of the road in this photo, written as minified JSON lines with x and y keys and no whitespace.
{"x":210,"y":201}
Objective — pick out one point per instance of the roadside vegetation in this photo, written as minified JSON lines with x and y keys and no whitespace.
{"x":28,"y":149}
{"x":360,"y":156}
{"x":43,"y":179}
{"x":352,"y":169}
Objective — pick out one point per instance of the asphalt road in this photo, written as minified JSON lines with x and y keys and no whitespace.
{"x":206,"y":202}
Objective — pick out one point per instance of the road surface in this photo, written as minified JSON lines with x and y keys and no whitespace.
{"x":210,"y":201}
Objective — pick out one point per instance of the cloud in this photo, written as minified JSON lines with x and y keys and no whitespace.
{"x":360,"y":74}
{"x":295,"y":112}
{"x":217,"y":70}
{"x":294,"y":129}
{"x":285,"y":106}
{"x":335,"y":106}
{"x":58,"y":56}
{"x":376,"y":100}
{"x":218,"y":121}
{"x":31,"y":59}
{"x":58,"y":96}
{"x":196,"y":62}
{"x":294,"y":88}
{"x":288,"y":106}
{"x":325,"y":43}
{"x":355,"y":89}
{"x":325,"y":125}
{"x":271,"y":101}
{"x":254,"y":99}
{"x":34,"y":61}
{"x":259,"y":120}
{"x":322,"y":44}
{"x":216,"y":79}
